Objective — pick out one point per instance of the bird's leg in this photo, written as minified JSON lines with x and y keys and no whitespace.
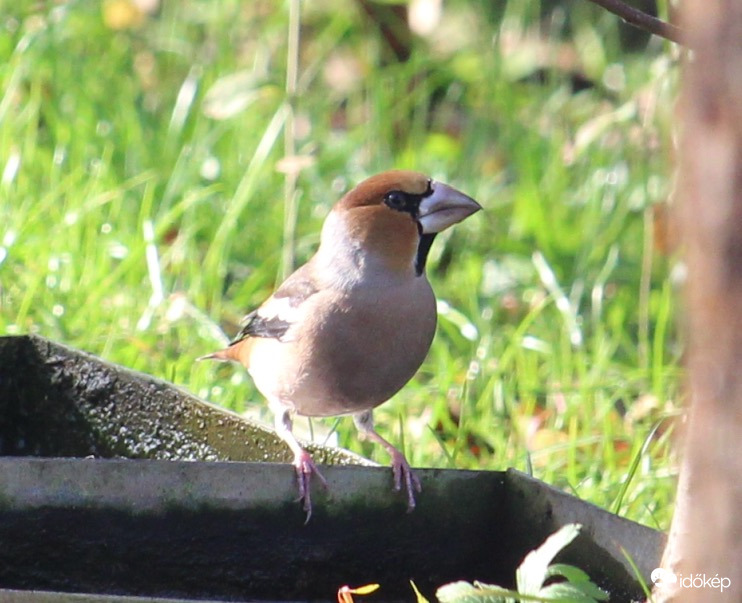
{"x":303,"y":462}
{"x":365,"y":423}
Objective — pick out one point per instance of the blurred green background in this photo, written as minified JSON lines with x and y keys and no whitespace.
{"x":162,"y":166}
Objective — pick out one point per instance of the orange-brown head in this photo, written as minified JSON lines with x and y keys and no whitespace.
{"x":390,"y":220}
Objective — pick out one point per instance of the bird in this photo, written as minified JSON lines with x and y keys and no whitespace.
{"x":348,"y":329}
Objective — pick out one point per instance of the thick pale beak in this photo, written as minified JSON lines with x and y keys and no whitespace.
{"x":445,"y":207}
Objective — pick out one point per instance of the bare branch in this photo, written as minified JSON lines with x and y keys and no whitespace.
{"x":633,"y":16}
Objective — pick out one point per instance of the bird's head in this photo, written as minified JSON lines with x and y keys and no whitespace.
{"x":392,"y":218}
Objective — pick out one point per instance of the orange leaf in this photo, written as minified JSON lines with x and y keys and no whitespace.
{"x":345,"y":593}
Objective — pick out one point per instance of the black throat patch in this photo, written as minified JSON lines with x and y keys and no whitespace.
{"x":423,"y":248}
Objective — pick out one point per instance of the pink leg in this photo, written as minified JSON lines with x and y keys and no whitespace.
{"x":303,"y":462}
{"x":305,"y":467}
{"x":400,"y":466}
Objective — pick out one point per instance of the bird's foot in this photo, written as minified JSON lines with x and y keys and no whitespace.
{"x":403,"y":473}
{"x":305,"y":467}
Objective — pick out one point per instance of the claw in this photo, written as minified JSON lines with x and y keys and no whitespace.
{"x":305,"y":467}
{"x":402,"y":471}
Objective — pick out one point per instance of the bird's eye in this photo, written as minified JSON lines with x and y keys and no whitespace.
{"x":396,"y":200}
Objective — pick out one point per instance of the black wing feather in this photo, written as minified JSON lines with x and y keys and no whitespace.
{"x":297,"y":289}
{"x":259,"y":326}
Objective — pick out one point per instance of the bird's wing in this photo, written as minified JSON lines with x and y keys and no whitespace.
{"x":280,"y":311}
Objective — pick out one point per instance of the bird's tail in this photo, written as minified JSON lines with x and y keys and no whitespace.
{"x":224,"y":355}
{"x":237,"y":351}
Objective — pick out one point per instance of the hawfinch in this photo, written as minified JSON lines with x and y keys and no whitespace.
{"x":350,"y":328}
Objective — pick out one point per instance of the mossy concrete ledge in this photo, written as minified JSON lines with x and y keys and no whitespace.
{"x":57,"y":401}
{"x":116,"y":528}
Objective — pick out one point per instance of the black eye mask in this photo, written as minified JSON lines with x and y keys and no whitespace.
{"x":409,"y":203}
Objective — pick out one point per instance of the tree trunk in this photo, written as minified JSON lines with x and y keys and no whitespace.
{"x":705,"y":546}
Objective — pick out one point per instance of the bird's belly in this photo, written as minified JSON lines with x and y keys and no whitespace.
{"x":352,"y":360}
{"x":347,"y":380}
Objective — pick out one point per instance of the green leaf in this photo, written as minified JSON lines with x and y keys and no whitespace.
{"x":533,"y":571}
{"x":465,"y":592}
{"x":579,"y":579}
{"x":564,"y":592}
{"x":569,"y":572}
{"x":418,"y":595}
{"x":571,"y":593}
{"x":530,"y":576}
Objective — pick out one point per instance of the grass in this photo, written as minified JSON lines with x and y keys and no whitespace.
{"x":147,"y":203}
